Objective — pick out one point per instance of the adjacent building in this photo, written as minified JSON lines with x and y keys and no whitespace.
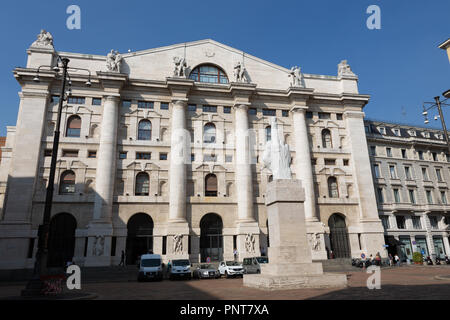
{"x":2,"y":144}
{"x":411,"y":174}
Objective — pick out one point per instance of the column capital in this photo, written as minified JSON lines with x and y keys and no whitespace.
{"x":112,"y":97}
{"x":241,"y":106}
{"x":112,"y":82}
{"x":299,"y":109}
{"x":180,"y":102}
{"x":179,"y":88}
{"x":354,"y":114}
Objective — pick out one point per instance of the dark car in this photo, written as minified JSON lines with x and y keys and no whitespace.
{"x":205,"y":271}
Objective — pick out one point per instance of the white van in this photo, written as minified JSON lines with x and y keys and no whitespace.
{"x":150,"y":267}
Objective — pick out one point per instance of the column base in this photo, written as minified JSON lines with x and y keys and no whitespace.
{"x":177,"y":228}
{"x":99,"y":235}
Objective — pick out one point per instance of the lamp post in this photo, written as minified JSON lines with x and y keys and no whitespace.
{"x":35,"y":285}
{"x":439,"y":105}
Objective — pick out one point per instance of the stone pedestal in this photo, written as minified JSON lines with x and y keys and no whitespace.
{"x":177,"y":229}
{"x":290,"y":263}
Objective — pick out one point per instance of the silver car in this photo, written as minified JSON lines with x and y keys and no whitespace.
{"x":253,"y":265}
{"x":205,"y":271}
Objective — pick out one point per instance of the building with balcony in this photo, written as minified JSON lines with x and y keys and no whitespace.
{"x":411,"y":173}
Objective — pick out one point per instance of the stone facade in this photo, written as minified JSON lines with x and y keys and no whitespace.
{"x":411,"y":172}
{"x":176,"y":146}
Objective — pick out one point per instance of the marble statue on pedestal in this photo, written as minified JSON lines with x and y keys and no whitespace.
{"x":296,"y":77}
{"x":180,"y":67}
{"x":44,"y":39}
{"x":344,"y":69}
{"x":113,"y":61}
{"x":277,"y":156}
{"x":240,"y":73}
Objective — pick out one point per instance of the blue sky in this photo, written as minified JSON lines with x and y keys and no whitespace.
{"x":400,"y":66}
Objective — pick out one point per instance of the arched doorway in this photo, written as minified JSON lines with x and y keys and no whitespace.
{"x":139,"y":236}
{"x":61,"y":240}
{"x":339,"y":236}
{"x":211,"y":240}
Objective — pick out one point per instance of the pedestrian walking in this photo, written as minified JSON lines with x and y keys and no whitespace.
{"x":235,"y":254}
{"x":391,"y":260}
{"x":397,"y":260}
{"x":122,"y":259}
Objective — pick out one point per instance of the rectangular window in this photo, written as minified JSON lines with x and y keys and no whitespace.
{"x":76,"y":100}
{"x":164,"y":106}
{"x":397,"y":132}
{"x":209,"y":108}
{"x":345,"y":162}
{"x":113,"y":246}
{"x":420,"y":153}
{"x":434,"y":154}
{"x":192,"y":107}
{"x":145,"y":104}
{"x":192,"y":157}
{"x":313,"y":161}
{"x":122,"y":155}
{"x":269,"y":112}
{"x":143,"y":155}
{"x":392,"y":172}
{"x":429,"y":196}
{"x":70,"y":153}
{"x":338,"y":116}
{"x":376,"y":170}
{"x":126,"y":103}
{"x":96,"y":101}
{"x":285,"y":113}
{"x":438,"y":175}
{"x":380,"y":195}
{"x":443,"y":197}
{"x":434,"y":222}
{"x":324,"y":115}
{"x":400,"y":222}
{"x":389,"y":152}
{"x":209,"y":158}
{"x":330,"y":162}
{"x":373,"y":150}
{"x":396,"y":196}
{"x":404,"y":154}
{"x":412,"y":198}
{"x":425,"y":174}
{"x":385,"y":221}
{"x":408,"y":173}
{"x":228,"y":158}
{"x":309,"y":115}
{"x":163,"y":156}
{"x":252,"y":111}
{"x":54,"y":99}
{"x":92,"y":154}
{"x":416,"y":222}
{"x":48,"y":153}
{"x":164,"y":244}
{"x":226,"y":109}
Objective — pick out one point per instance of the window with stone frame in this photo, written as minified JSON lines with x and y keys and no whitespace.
{"x":73,"y":127}
{"x":142,"y":184}
{"x":416,"y":222}
{"x":400,"y":222}
{"x":433,"y":222}
{"x":67,"y":182}
{"x":211,"y":185}
{"x":385,"y":222}
{"x":209,"y":133}
{"x":326,"y":139}
{"x":333,"y":190}
{"x":145,"y":130}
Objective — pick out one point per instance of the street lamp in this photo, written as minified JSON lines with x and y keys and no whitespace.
{"x":35,"y":285}
{"x":438,"y":104}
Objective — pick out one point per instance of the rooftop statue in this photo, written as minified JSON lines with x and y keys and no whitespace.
{"x":180,"y":67}
{"x":240,"y":73}
{"x":296,"y":76}
{"x":277,"y":156}
{"x":113,"y":61}
{"x":344,"y":69}
{"x":44,"y":39}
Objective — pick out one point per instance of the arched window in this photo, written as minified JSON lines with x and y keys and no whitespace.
{"x":268,"y":133}
{"x":208,"y":73}
{"x":73,"y":127}
{"x":326,"y":139}
{"x":209,"y":133}
{"x":142,"y":184}
{"x":211,"y":185}
{"x":67,"y":182}
{"x":145,"y":130}
{"x":333,"y":190}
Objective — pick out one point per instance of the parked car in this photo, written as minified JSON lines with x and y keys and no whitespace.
{"x":205,"y":271}
{"x":231,"y":269}
{"x":179,"y":268}
{"x":150,"y":267}
{"x":253,"y":265}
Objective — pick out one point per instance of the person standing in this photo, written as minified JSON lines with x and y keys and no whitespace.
{"x":235,"y":254}
{"x":390,"y":260}
{"x":122,"y":259}
{"x":397,"y":260}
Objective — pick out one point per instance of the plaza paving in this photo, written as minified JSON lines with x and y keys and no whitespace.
{"x":406,"y":282}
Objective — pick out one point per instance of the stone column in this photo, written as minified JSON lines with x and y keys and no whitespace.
{"x":179,"y":157}
{"x":243,"y":174}
{"x":106,"y":163}
{"x":303,"y":166}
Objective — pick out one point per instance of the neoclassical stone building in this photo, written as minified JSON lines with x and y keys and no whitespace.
{"x":163,"y":152}
{"x":411,"y":172}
